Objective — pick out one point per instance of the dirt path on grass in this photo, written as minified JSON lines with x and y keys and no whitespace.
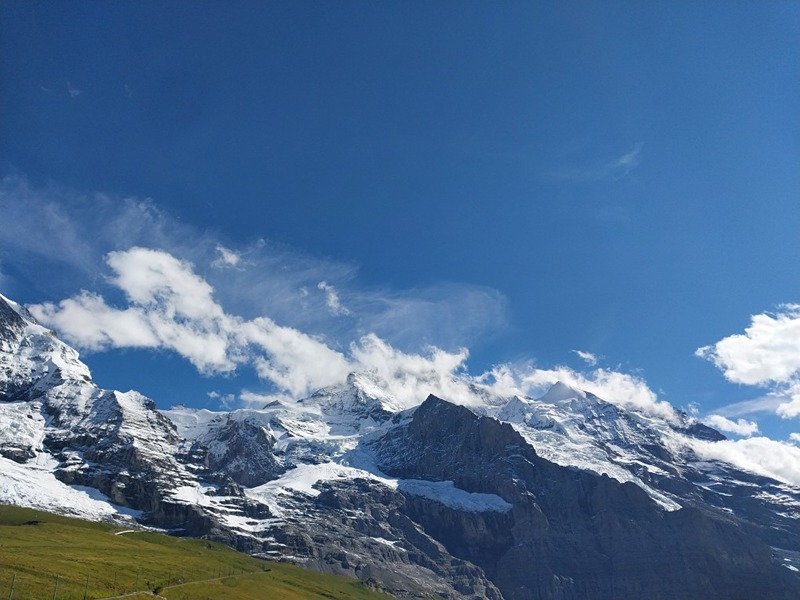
{"x":169,"y":587}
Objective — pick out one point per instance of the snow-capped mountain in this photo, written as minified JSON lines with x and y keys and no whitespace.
{"x":564,"y":496}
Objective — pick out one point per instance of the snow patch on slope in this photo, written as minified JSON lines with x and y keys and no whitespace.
{"x":446,"y":493}
{"x":303,"y":479}
{"x":21,"y":427}
{"x":33,"y":485}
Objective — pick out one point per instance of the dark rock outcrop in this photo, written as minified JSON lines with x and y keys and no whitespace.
{"x":364,"y":529}
{"x":245,"y":454}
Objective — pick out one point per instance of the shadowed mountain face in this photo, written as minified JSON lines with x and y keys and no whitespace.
{"x":562,"y":497}
{"x":568,"y":533}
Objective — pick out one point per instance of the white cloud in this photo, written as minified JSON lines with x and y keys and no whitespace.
{"x":410,"y":378}
{"x":610,"y":169}
{"x":758,"y":455}
{"x":226,"y":400}
{"x":89,"y":322}
{"x":795,"y":437}
{"x":739,"y":427}
{"x":767,"y":354}
{"x":294,"y":361}
{"x":227,"y":258}
{"x":790,"y":407}
{"x":171,"y":307}
{"x":157,"y":279}
{"x":589,"y":358}
{"x":332,"y":300}
{"x":623,"y":389}
{"x":271,"y":322}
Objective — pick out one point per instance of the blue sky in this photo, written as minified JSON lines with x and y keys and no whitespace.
{"x":525,"y":180}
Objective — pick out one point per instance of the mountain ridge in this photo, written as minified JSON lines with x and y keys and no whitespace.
{"x":438,"y":498}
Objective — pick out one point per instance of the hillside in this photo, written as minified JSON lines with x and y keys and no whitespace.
{"x":50,"y":556}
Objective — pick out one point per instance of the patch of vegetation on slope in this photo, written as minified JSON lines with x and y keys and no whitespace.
{"x":49,"y":556}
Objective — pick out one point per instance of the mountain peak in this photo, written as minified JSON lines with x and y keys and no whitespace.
{"x":559,"y":392}
{"x":10,"y":318}
{"x":360,"y":392}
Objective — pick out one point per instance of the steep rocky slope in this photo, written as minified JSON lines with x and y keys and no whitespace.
{"x":569,"y":533}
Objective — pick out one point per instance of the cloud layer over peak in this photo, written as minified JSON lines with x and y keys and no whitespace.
{"x":170,"y":306}
{"x":301,"y":323}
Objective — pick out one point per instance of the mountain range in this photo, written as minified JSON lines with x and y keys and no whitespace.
{"x":566,"y":496}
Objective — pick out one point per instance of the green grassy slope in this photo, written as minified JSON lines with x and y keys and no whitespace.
{"x":46,"y":556}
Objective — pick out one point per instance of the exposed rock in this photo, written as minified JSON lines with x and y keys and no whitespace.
{"x":243,"y":450}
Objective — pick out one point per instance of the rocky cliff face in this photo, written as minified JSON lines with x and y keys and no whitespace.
{"x":116,"y":443}
{"x":569,"y":533}
{"x":562,"y":497}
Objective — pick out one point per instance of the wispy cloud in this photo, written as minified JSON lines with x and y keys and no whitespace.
{"x":227,"y":259}
{"x":767,"y":355}
{"x":763,"y":404}
{"x":332,"y":300}
{"x":169,"y":306}
{"x":587,"y":357}
{"x":610,"y":169}
{"x":228,"y":401}
{"x":739,"y":427}
{"x":251,"y":279}
{"x":72,"y":91}
{"x":759,"y":455}
{"x":165,"y":285}
{"x":627,"y":162}
{"x":252,"y":306}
